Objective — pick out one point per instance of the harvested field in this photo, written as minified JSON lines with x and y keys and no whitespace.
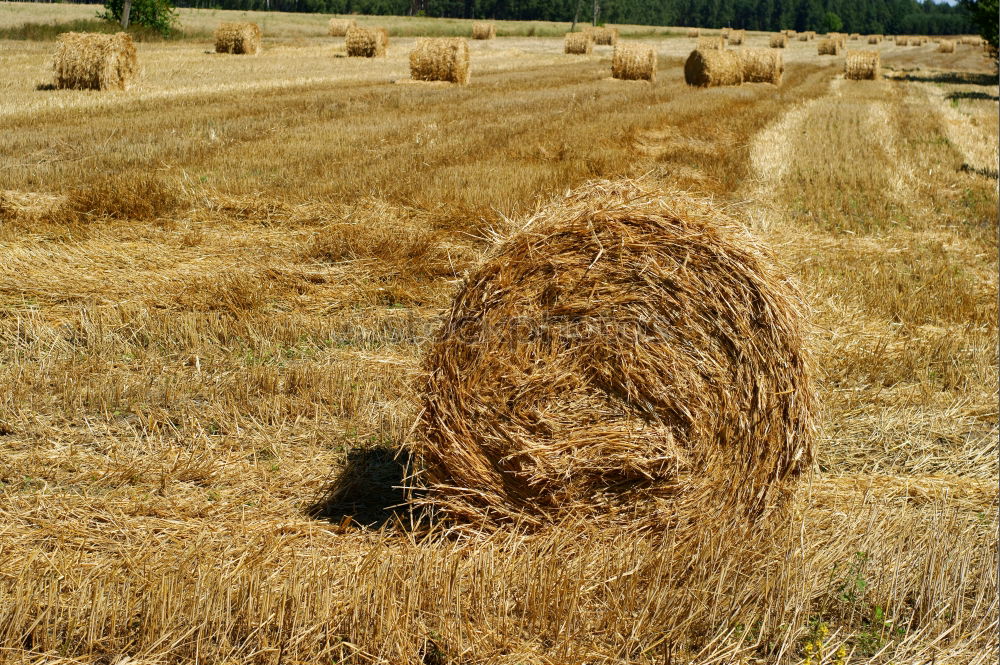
{"x":220,"y":290}
{"x":338,"y":27}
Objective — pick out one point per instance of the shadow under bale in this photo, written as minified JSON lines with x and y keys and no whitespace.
{"x":368,"y":490}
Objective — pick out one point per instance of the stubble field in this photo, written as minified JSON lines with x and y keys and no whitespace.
{"x":215,"y":290}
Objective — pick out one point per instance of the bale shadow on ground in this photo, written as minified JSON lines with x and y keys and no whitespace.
{"x":367,"y":491}
{"x":961,"y":78}
{"x":972,"y":95}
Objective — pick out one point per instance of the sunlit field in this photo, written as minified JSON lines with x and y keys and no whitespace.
{"x":217,"y":287}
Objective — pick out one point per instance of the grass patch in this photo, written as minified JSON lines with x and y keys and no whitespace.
{"x":46,"y":32}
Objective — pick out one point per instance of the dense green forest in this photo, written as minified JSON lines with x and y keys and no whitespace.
{"x":866,"y":16}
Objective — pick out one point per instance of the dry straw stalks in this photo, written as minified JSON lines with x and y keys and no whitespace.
{"x":440,"y":59}
{"x":366,"y":42}
{"x":761,"y":65}
{"x":90,"y":61}
{"x":713,"y":67}
{"x":338,"y":27}
{"x":634,"y":62}
{"x":238,"y":38}
{"x":631,"y":354}
{"x":578,"y":43}
{"x":863,"y":65}
{"x":484,"y":31}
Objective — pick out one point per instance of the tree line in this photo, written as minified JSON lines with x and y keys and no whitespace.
{"x":865,"y":16}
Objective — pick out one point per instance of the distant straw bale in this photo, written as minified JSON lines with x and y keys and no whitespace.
{"x":736,"y":37}
{"x":632,"y":355}
{"x":863,"y":65}
{"x":338,"y":27}
{"x":946,"y":46}
{"x":440,"y":59}
{"x":238,"y":38}
{"x":603,"y":35}
{"x":484,"y":31}
{"x":779,"y":40}
{"x":874,"y":39}
{"x":971,"y":41}
{"x":789,"y":33}
{"x":725,"y":32}
{"x":761,"y":65}
{"x":92,"y":61}
{"x":828,"y":47}
{"x":694,"y":33}
{"x":855,"y":36}
{"x":712,"y":42}
{"x":803,"y":36}
{"x":634,"y":62}
{"x":578,"y":43}
{"x":713,"y":67}
{"x":902,"y":41}
{"x":365,"y":42}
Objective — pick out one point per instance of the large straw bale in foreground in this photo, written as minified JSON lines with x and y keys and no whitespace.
{"x":91,"y":61}
{"x":238,"y":38}
{"x":634,"y":62}
{"x":828,"y":47}
{"x":338,"y":27}
{"x":440,"y":59}
{"x":366,"y":43}
{"x":863,"y":65}
{"x":779,"y":40}
{"x":762,"y":65}
{"x":631,"y":355}
{"x":712,"y":42}
{"x":484,"y":31}
{"x":578,"y":43}
{"x":711,"y":67}
{"x":946,"y":46}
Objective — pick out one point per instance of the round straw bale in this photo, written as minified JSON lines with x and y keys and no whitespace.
{"x":735,"y":37}
{"x":828,"y":47}
{"x":694,"y":32}
{"x":946,"y":46}
{"x":484,"y":31}
{"x":238,"y":38}
{"x":603,"y":35}
{"x":634,"y":62}
{"x":855,"y":36}
{"x":716,"y":42}
{"x":711,"y":67}
{"x":803,"y":36}
{"x":93,"y":61}
{"x":779,"y":40}
{"x":725,"y":32}
{"x":364,"y":42}
{"x":902,"y":41}
{"x":863,"y":65}
{"x":578,"y":43}
{"x":762,"y":65}
{"x":440,"y":59}
{"x":874,"y":39}
{"x":338,"y":27}
{"x":632,"y":355}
